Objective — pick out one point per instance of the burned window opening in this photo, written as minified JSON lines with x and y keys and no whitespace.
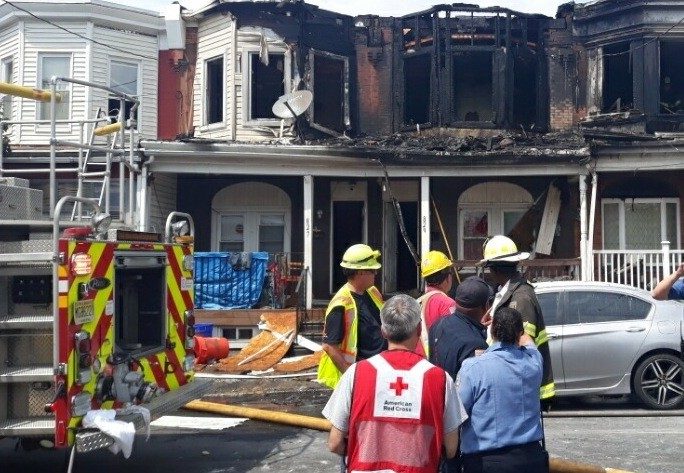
{"x":417,"y":71}
{"x":329,"y":84}
{"x":266,"y":84}
{"x":214,"y":91}
{"x":473,"y":85}
{"x":671,"y":78}
{"x":618,"y":87}
{"x":525,"y":88}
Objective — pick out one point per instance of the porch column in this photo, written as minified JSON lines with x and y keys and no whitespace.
{"x":583,"y":226}
{"x":424,"y":215}
{"x":308,"y":236}
{"x":143,"y":205}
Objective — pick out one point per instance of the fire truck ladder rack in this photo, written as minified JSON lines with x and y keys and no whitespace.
{"x":28,"y":245}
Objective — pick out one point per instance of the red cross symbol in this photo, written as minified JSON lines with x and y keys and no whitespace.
{"x":398,"y":386}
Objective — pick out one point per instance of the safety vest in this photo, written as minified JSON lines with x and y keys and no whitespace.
{"x":328,"y":374}
{"x":397,"y":411}
{"x":424,"y":335}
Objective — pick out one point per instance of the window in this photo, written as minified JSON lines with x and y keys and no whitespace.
{"x":272,"y":233}
{"x":549,"y":308}
{"x":473,"y":85}
{"x":671,"y":78}
{"x":213,"y":99}
{"x":123,"y":77}
{"x":6,"y":76}
{"x":617,"y":78}
{"x":417,"y":71}
{"x":480,"y":223}
{"x":237,"y":333}
{"x":330,"y":78}
{"x":593,"y":306}
{"x":267,"y":80}
{"x":232,"y":233}
{"x":640,"y":224}
{"x":60,"y":66}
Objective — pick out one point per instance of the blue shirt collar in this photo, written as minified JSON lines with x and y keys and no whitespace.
{"x":501,"y":346}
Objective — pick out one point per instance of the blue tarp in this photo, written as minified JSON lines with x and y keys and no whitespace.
{"x":229,"y":280}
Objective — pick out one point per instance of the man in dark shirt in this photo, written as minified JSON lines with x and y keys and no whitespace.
{"x":352,"y":319}
{"x":459,"y":336}
{"x":369,"y":341}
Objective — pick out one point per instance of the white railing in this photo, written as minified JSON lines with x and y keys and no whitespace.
{"x":638,"y":268}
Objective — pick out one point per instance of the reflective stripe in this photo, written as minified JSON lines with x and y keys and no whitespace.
{"x":424,"y":335}
{"x":530,"y":329}
{"x":542,"y":338}
{"x":547,"y":391}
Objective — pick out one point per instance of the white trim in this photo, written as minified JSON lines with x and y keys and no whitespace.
{"x":139,"y":79}
{"x":20,"y":78}
{"x":247,"y":53}
{"x":206,"y":126}
{"x":308,"y":184}
{"x":424,"y":215}
{"x":39,"y":76}
{"x":622,"y":242}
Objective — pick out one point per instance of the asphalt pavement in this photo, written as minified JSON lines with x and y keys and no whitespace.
{"x":210,"y":444}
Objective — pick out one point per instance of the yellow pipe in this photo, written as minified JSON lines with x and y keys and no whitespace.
{"x":28,"y":92}
{"x":297,"y":420}
{"x":108,"y":129}
{"x":556,"y":465}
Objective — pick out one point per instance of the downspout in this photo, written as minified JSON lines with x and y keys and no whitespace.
{"x":592,"y":221}
{"x":233,"y":87}
{"x":583,"y":226}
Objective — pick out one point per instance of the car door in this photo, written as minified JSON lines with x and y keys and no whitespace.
{"x":602,"y":333}
{"x":549,"y":303}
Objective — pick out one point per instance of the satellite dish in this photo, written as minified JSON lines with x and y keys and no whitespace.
{"x":292,"y":105}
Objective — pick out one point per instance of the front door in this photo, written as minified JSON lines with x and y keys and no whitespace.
{"x":347,"y":226}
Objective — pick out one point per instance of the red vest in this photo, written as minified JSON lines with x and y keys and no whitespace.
{"x":397,"y":414}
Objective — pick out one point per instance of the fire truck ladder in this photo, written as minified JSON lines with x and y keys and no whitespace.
{"x":27,"y":249}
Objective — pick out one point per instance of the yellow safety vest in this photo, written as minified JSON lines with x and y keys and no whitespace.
{"x":328,"y":374}
{"x":424,"y":335}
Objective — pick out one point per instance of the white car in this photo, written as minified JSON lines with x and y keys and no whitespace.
{"x":613,"y":339}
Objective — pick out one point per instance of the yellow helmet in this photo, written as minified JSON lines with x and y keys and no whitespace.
{"x":360,"y":256}
{"x":434,"y":262}
{"x":500,"y":248}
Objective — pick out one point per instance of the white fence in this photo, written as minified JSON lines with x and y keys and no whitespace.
{"x":638,"y":268}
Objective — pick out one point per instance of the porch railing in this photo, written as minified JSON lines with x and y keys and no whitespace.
{"x":638,"y":268}
{"x":536,"y":270}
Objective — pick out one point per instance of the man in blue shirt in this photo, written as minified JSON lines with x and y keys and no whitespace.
{"x":671,"y":287}
{"x":498,"y":390}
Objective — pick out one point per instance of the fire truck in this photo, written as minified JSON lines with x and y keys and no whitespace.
{"x":94,"y":314}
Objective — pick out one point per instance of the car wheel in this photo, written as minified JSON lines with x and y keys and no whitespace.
{"x":659,"y":381}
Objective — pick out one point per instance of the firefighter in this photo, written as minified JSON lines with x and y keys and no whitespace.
{"x":352,"y":319}
{"x":502,"y":257}
{"x":437,"y":271}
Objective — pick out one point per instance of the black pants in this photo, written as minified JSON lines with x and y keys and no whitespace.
{"x":528,"y":458}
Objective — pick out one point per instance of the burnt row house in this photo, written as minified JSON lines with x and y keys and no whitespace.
{"x":561,"y":132}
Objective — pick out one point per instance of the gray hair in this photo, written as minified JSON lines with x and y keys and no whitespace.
{"x":400,"y":316}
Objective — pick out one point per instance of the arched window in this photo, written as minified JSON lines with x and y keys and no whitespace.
{"x":251,"y":216}
{"x":486,"y":209}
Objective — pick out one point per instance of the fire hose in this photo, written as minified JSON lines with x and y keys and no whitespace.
{"x":557,"y":465}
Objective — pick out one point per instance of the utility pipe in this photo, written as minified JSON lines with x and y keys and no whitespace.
{"x":592,"y":221}
{"x":28,"y":92}
{"x":108,"y":129}
{"x":557,"y":465}
{"x":583,"y":225}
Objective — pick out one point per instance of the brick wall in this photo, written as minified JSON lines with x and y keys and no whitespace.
{"x":374,"y":62}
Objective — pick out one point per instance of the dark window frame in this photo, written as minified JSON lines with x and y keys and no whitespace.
{"x":212,"y":116}
{"x":346,"y":114}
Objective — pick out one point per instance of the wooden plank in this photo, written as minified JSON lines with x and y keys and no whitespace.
{"x":547,"y":228}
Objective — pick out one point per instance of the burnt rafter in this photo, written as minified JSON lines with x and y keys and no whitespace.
{"x":468,"y":66}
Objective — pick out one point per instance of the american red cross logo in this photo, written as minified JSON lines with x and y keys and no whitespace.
{"x":398,"y":386}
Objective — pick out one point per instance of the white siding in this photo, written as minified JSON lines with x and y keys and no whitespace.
{"x":214,"y":38}
{"x":248,"y":41}
{"x":162,"y":198}
{"x":142,"y":45}
{"x":44,"y":38}
{"x":9,"y":48}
